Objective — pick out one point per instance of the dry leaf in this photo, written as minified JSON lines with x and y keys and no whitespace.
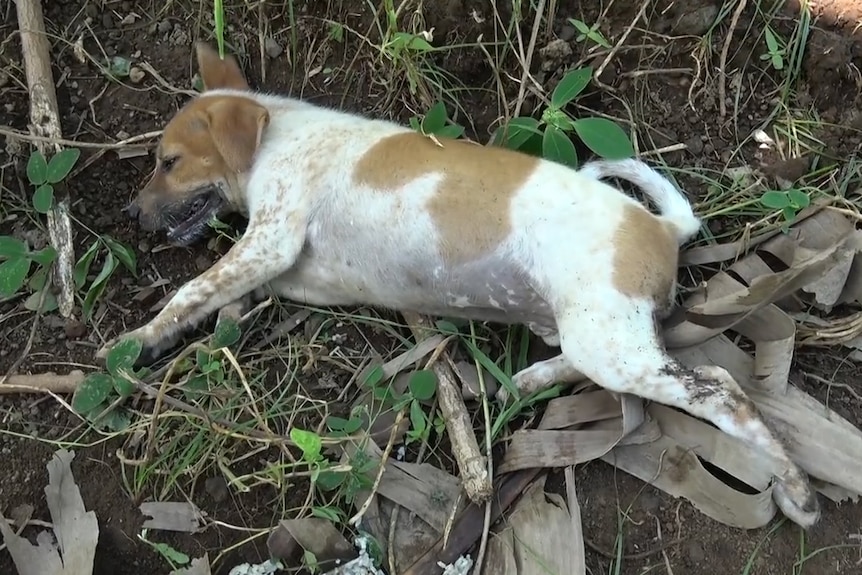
{"x":172,"y":516}
{"x":313,"y":534}
{"x":538,"y":538}
{"x":76,"y":530}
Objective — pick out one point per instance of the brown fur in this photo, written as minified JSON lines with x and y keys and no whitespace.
{"x":471,"y":206}
{"x":645,"y":256}
{"x":217,"y":72}
{"x":213,"y":139}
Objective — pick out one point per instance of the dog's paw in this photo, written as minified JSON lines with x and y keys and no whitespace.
{"x":151,"y":347}
{"x":797,"y":499}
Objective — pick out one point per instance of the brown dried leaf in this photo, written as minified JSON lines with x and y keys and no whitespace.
{"x":76,"y":530}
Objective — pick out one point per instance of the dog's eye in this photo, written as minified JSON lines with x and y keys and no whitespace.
{"x":168,"y":163}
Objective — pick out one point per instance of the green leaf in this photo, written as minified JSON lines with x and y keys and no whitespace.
{"x":557,"y":147}
{"x":123,"y":386}
{"x":580,"y":26}
{"x":124,"y":253}
{"x":92,"y":392}
{"x":435,"y":119}
{"x":99,"y":284}
{"x":605,"y":138}
{"x":82,"y":268}
{"x":13,"y":274}
{"x":43,"y":198}
{"x":226,"y":334}
{"x":12,"y":248}
{"x":798,"y":198}
{"x":414,"y":42}
{"x":446,"y":327}
{"x":195,"y":387}
{"x":519,"y":130}
{"x":171,"y":554}
{"x":123,"y":356}
{"x":374,"y":377}
{"x":417,"y":418}
{"x":44,"y":257}
{"x":309,"y":442}
{"x":452,"y":131}
{"x":329,"y":480}
{"x":422,"y":384}
{"x":48,"y":305}
{"x":37,"y":168}
{"x":61,"y":164}
{"x":119,"y":67}
{"x":38,"y":280}
{"x":775,"y":200}
{"x":572,"y":84}
{"x":332,"y":514}
{"x":116,"y":420}
{"x":414,"y":124}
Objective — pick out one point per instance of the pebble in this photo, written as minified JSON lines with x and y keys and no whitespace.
{"x":273,"y":49}
{"x":217,"y":488}
{"x":202,"y":263}
{"x":695,"y":551}
{"x":695,"y":22}
{"x":694,"y":145}
{"x":164,"y":26}
{"x":136,"y":75}
{"x":75,"y":329}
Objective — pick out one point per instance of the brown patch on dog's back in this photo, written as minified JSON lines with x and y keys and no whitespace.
{"x":472,"y":205}
{"x":645,"y":256}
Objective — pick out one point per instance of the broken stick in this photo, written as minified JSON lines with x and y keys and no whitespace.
{"x":45,"y":123}
{"x":471,"y":463}
{"x":43,"y":383}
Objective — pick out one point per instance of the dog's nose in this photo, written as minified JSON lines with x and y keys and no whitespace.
{"x":133,"y":210}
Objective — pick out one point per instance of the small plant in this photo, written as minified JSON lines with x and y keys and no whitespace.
{"x":434,"y":123}
{"x":174,"y":557}
{"x":549,"y":136}
{"x":98,"y":397}
{"x":591,"y":32}
{"x":115,"y":253}
{"x":17,"y":261}
{"x":776,"y":49}
{"x":790,"y":202}
{"x":44,"y":175}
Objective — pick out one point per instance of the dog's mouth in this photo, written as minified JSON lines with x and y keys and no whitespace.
{"x":204,"y":207}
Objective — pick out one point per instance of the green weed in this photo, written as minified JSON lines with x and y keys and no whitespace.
{"x":550,"y":136}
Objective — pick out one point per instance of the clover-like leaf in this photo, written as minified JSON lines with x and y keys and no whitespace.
{"x":775,"y":200}
{"x":61,"y":164}
{"x":13,"y":274}
{"x":43,"y":198}
{"x":422,"y":384}
{"x":123,"y":355}
{"x":92,"y":392}
{"x":37,"y":168}
{"x":309,"y":442}
{"x":226,"y":334}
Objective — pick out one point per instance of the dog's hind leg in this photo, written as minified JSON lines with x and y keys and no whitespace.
{"x":618,"y":348}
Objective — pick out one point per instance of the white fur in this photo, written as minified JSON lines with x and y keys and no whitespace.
{"x":315,"y":236}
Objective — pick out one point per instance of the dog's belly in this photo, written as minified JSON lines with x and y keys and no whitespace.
{"x":484,"y":290}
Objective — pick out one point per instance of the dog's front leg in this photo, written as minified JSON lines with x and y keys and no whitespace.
{"x":258,"y":257}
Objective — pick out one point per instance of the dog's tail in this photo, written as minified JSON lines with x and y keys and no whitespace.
{"x":673,"y":205}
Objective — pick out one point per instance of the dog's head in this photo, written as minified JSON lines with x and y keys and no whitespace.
{"x":204,"y":152}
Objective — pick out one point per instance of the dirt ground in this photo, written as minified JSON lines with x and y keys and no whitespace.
{"x":98,"y":110}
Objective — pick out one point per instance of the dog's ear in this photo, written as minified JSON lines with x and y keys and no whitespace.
{"x":217,"y":73}
{"x":236,"y":126}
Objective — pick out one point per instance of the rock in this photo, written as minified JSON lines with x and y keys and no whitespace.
{"x":694,"y":145}
{"x":136,"y":75}
{"x":216,"y":487}
{"x":75,"y":329}
{"x":273,"y":49}
{"x":164,"y":26}
{"x":555,"y":53}
{"x":695,"y":22}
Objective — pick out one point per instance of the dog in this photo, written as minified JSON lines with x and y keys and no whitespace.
{"x":345,"y":210}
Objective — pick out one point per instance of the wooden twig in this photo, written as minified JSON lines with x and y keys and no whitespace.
{"x":471,"y":463}
{"x":45,"y":122}
{"x":42,"y":383}
{"x":722,"y":64}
